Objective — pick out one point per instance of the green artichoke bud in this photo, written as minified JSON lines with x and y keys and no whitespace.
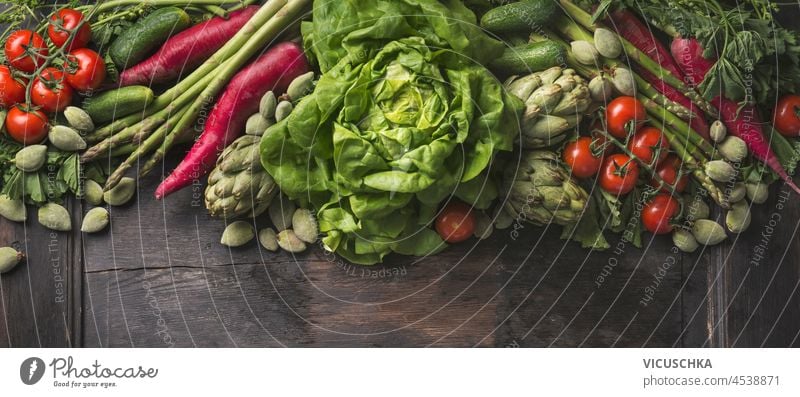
{"x":541,"y":191}
{"x":555,"y":100}
{"x":238,"y":186}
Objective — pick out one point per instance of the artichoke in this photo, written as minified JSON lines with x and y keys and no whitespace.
{"x":541,"y":190}
{"x":238,"y":186}
{"x":555,"y":100}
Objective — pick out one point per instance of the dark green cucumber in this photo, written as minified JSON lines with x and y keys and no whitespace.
{"x":524,"y":16}
{"x":145,"y":36}
{"x":118,"y":103}
{"x":529,"y":58}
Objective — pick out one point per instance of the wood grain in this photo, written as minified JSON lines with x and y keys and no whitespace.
{"x":499,"y":292}
{"x":37,"y":296}
{"x":158,"y":277}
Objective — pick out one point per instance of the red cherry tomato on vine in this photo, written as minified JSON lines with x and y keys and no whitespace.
{"x":786,"y":117}
{"x":63,"y":23}
{"x":668,"y":171}
{"x":646,"y":142}
{"x":618,"y":174}
{"x":12,"y":91}
{"x":85,"y":70}
{"x":456,"y":222}
{"x":50,"y":91}
{"x":26,"y":126}
{"x":623,"y":114}
{"x":658,"y":214}
{"x":583,"y":156}
{"x":25,"y":50}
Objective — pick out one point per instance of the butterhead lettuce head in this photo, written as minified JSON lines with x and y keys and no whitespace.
{"x":400,"y":122}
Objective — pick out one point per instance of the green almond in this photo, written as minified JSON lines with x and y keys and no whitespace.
{"x":95,"y":220}
{"x":55,"y":217}
{"x":13,"y":210}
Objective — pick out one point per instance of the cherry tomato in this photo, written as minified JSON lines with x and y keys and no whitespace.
{"x":61,"y":26}
{"x":85,"y":70}
{"x":646,"y":143}
{"x":50,"y":91}
{"x":21,"y":45}
{"x":623,"y":114}
{"x":658,"y":214}
{"x":12,"y":91}
{"x":456,"y":222}
{"x":583,"y":156}
{"x":26,"y":126}
{"x":668,"y":170}
{"x":618,"y":174}
{"x":786,"y":117}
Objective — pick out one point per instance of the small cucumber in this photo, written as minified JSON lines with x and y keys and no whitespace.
{"x":524,"y":16}
{"x":529,"y":58}
{"x":118,"y":103}
{"x":146,"y":35}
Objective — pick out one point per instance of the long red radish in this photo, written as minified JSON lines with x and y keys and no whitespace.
{"x":634,"y":30}
{"x":688,"y":54}
{"x":272,"y":71}
{"x":187,"y":50}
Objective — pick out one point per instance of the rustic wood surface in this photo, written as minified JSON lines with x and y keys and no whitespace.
{"x":158,"y":277}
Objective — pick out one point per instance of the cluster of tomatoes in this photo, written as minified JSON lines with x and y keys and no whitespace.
{"x":55,"y":79}
{"x":617,"y":172}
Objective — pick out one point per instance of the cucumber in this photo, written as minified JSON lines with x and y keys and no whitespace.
{"x":118,"y":103}
{"x":529,"y":58}
{"x":146,"y":35}
{"x":524,"y":16}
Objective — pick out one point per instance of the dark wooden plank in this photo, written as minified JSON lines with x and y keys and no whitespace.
{"x":762,"y":305}
{"x":37,"y":296}
{"x":565,"y":296}
{"x":695,"y":298}
{"x":160,"y":277}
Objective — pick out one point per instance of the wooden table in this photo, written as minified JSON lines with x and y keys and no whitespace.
{"x":159,"y":277}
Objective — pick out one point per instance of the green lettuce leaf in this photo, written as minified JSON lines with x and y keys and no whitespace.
{"x":363,"y":27}
{"x":402,"y":118}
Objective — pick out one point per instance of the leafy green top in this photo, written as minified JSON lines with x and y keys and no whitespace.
{"x":757,"y":58}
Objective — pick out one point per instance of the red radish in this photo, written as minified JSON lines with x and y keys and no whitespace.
{"x":187,"y":50}
{"x":746,"y":125}
{"x":634,"y":30}
{"x":272,"y":71}
{"x":688,"y":53}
